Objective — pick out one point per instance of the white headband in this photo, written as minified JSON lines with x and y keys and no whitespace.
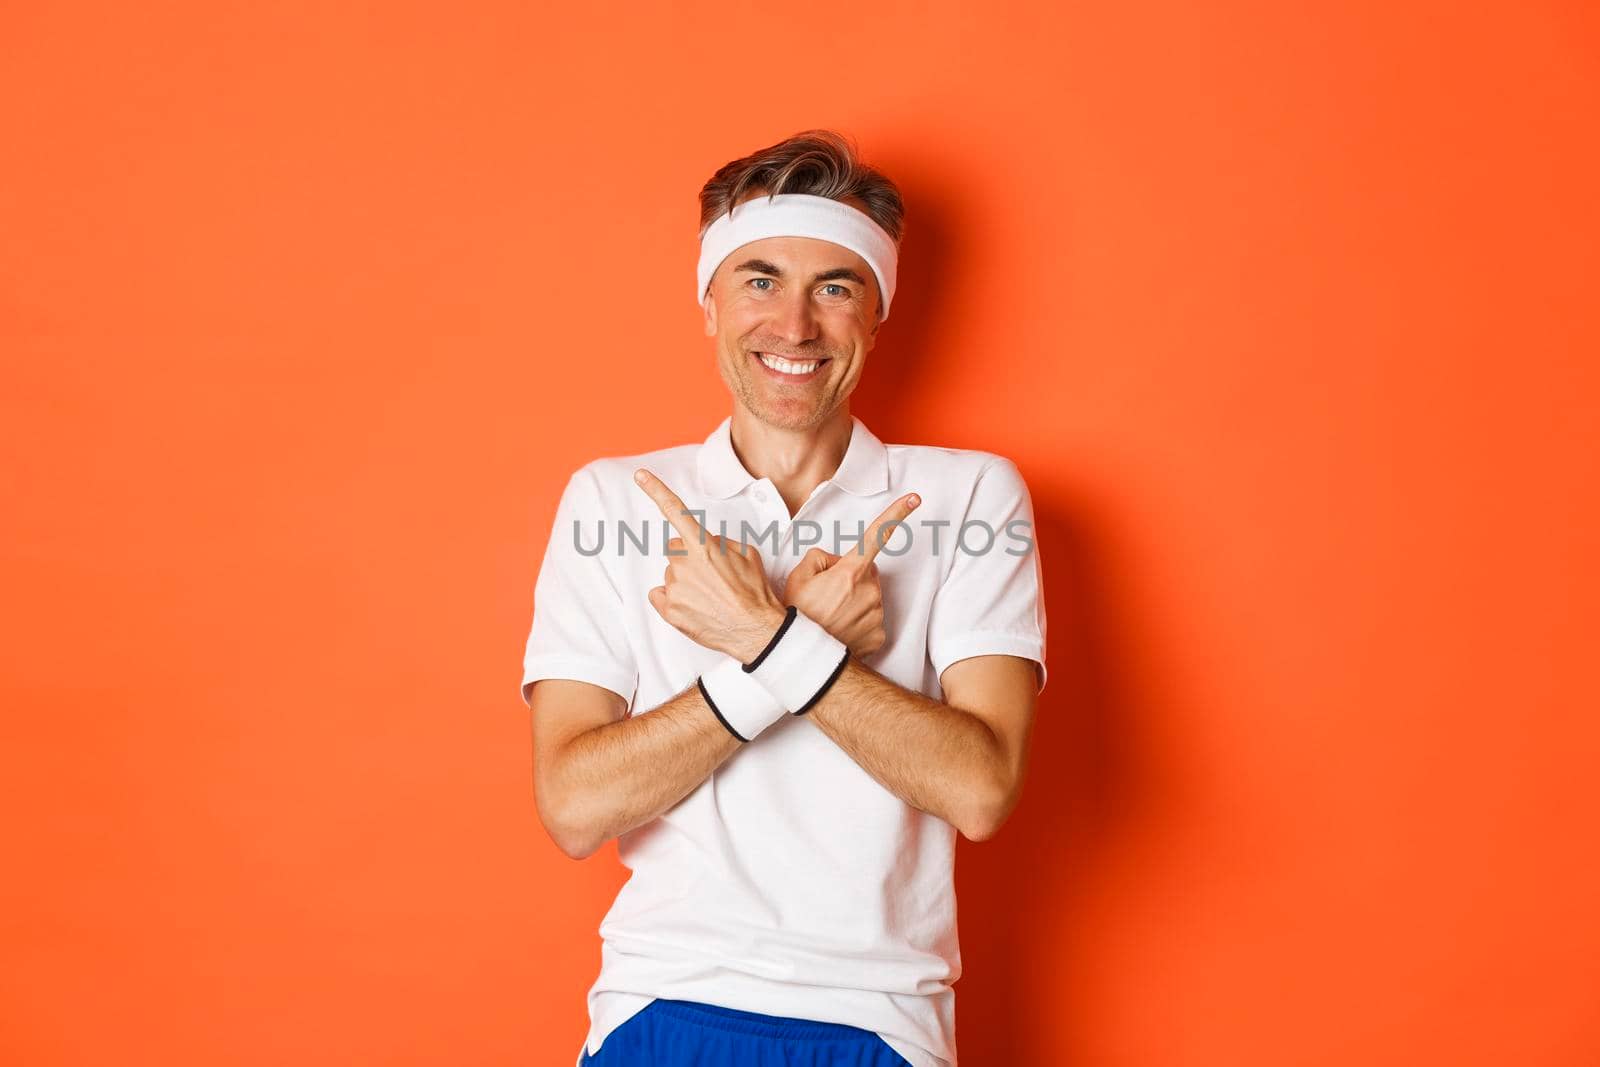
{"x":799,"y":215}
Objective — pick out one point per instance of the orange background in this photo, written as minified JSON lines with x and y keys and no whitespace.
{"x":1288,"y":317}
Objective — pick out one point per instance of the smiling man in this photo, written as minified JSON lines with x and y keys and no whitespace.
{"x":785,"y":666}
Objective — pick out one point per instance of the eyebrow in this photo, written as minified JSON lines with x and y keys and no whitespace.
{"x":761,"y":266}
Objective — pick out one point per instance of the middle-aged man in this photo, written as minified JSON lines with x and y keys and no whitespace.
{"x":784,"y":665}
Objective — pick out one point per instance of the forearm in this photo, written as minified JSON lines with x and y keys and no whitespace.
{"x":616,"y":777}
{"x":935,"y":757}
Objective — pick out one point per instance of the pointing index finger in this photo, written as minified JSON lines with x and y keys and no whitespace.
{"x":880,"y":530}
{"x":672,"y":507}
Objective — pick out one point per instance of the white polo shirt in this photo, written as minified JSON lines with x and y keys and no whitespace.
{"x":790,"y":882}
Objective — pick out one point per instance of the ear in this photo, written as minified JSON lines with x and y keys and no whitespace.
{"x":711,"y":314}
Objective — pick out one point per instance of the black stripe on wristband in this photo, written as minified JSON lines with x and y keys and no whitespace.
{"x":826,"y":685}
{"x":788,"y":617}
{"x":712,"y":704}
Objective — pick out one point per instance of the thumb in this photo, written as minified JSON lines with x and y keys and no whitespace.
{"x":814,"y":562}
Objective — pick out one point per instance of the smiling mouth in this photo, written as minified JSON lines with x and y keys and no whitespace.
{"x":787,"y":368}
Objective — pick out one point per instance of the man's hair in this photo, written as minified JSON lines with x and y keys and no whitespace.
{"x":818,"y":162}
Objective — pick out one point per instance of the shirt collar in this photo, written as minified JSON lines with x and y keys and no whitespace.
{"x":864,"y":471}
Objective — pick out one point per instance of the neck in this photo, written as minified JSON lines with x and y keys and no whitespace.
{"x":795,"y":461}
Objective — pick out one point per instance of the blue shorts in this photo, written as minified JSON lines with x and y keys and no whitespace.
{"x":686,"y":1033}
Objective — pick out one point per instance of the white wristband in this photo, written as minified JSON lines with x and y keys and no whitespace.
{"x":800,"y":663}
{"x":738,"y":700}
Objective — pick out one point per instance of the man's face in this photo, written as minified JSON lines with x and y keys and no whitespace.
{"x":796,"y":298}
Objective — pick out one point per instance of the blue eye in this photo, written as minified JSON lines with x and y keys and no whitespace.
{"x":755,"y":280}
{"x":842,"y":290}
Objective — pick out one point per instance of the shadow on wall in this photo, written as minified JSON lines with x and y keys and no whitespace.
{"x":1026,"y":898}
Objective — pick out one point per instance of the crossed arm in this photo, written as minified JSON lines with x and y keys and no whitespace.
{"x":599,"y":773}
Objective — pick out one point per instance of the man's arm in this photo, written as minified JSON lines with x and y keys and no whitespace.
{"x":597,"y":774}
{"x":963,"y":760}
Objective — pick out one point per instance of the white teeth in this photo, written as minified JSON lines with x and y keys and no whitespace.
{"x":788,"y":367}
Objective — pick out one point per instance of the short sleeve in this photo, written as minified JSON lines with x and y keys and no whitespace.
{"x":578,"y":631}
{"x":991,"y":601}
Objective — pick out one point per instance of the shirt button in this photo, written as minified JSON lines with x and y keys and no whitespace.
{"x":761,"y":495}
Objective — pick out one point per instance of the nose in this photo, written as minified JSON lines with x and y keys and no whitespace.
{"x":796,"y":320}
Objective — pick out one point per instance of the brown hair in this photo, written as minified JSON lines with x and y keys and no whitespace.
{"x":818,"y":162}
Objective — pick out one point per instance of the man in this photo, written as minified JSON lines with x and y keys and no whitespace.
{"x":784,"y":737}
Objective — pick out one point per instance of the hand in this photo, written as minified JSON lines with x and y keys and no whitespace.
{"x":842,"y":593}
{"x":715,"y":590}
